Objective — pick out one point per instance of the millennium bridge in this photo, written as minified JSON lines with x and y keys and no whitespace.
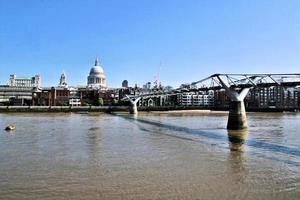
{"x":236,"y":87}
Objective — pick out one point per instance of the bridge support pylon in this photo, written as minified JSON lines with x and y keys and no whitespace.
{"x":133,"y":109}
{"x":237,"y":116}
{"x":133,"y":106}
{"x":237,"y":119}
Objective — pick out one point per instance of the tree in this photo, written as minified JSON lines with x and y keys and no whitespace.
{"x":115,"y":102}
{"x":100,"y":102}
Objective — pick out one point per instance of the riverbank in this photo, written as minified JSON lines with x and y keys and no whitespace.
{"x":62,"y":108}
{"x":108,"y":109}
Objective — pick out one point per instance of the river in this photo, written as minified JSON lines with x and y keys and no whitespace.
{"x":149,"y":156}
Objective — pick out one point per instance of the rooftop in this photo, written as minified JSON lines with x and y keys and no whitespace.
{"x":24,"y":78}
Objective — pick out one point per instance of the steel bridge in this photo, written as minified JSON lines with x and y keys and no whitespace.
{"x":236,"y":87}
{"x":240,"y":81}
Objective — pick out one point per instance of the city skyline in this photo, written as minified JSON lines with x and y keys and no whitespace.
{"x":180,"y":41}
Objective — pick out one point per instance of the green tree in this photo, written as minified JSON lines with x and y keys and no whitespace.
{"x":100,"y":102}
{"x":115,"y":102}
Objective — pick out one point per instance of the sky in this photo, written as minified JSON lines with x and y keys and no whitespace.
{"x":179,"y":41}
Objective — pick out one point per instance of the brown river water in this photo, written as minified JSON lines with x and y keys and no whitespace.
{"x":149,"y":156}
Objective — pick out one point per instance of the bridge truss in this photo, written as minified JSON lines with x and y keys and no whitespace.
{"x":229,"y":81}
{"x":240,"y":81}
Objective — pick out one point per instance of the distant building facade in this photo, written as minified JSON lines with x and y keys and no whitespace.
{"x":51,"y":96}
{"x":91,"y":96}
{"x":19,"y":90}
{"x":147,"y":86}
{"x":15,"y":81}
{"x":274,"y":97}
{"x":125,"y":84}
{"x":264,"y":97}
{"x":18,"y":96}
{"x":195,"y":99}
{"x":56,"y":96}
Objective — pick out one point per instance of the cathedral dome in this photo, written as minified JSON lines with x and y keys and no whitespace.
{"x":96,"y":77}
{"x":96,"y":69}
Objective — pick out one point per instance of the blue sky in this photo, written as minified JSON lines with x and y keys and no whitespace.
{"x":182,"y":40}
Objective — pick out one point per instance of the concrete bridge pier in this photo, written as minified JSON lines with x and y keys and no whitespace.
{"x":237,"y":119}
{"x":133,"y":107}
{"x":237,"y":116}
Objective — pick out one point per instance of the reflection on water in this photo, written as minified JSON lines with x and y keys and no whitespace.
{"x":237,"y":139}
{"x":150,"y":156}
{"x":236,"y":157}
